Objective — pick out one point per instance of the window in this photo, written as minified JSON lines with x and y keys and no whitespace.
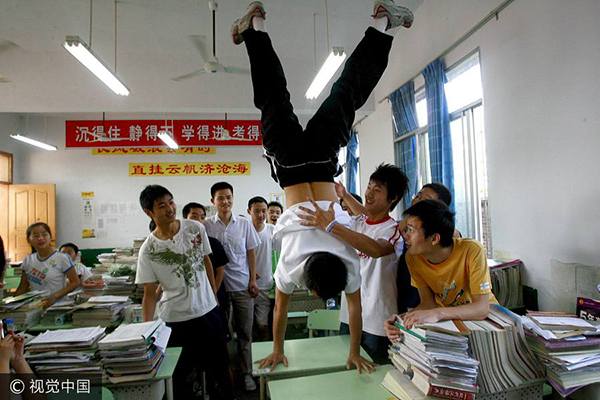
{"x":342,"y":162}
{"x":464,"y":94}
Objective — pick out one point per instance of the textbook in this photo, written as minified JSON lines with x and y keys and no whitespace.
{"x":401,"y":386}
{"x":441,"y":388}
{"x":130,"y":335}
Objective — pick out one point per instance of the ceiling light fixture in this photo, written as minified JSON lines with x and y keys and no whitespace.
{"x":34,"y":142}
{"x":333,"y":62}
{"x":81,"y":51}
{"x":168,"y":140}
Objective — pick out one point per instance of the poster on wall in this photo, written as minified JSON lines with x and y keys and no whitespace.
{"x":88,"y":221}
{"x":144,"y":133}
{"x":278,"y":197}
{"x":189,"y":169}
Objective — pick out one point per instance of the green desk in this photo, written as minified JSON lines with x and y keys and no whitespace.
{"x":165,"y":372}
{"x":48,"y":327}
{"x":346,"y":385}
{"x":305,"y":357}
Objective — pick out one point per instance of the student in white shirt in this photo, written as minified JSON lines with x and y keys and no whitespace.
{"x":46,"y":268}
{"x":257,"y":208}
{"x":72,"y":251}
{"x":304,"y":161}
{"x":240,"y":240}
{"x":376,"y":237}
{"x":176,"y":256}
{"x":274,"y":211}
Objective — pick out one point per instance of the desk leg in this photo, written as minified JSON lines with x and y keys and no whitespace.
{"x":170,"y":389}
{"x":262,"y":387}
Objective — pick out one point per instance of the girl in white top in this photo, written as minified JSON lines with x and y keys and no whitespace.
{"x":46,"y":268}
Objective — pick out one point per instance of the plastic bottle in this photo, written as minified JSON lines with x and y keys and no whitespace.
{"x":10,"y":325}
{"x":330,"y":304}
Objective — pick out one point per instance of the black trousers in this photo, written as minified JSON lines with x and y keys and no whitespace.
{"x":204,"y":349}
{"x":299,"y":155}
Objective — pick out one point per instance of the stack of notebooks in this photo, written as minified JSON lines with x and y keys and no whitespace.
{"x":568,"y":346}
{"x":134,"y":352}
{"x":137,"y":244}
{"x":59,"y":313}
{"x":507,"y":282}
{"x":436,"y":356}
{"x":498,"y":342}
{"x":101,"y":285}
{"x":26,"y":310}
{"x":101,"y":311}
{"x":65,"y":350}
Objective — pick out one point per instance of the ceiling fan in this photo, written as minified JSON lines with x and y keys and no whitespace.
{"x":6,"y":45}
{"x":211,"y":63}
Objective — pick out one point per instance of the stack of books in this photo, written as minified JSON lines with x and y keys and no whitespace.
{"x":134,"y":352}
{"x":137,"y":244}
{"x":59,"y":313}
{"x":101,"y":311}
{"x":65,"y":350}
{"x":26,"y":310}
{"x":119,"y":286}
{"x":498,"y":342}
{"x":507,"y":282}
{"x":568,"y":346}
{"x":107,"y":258}
{"x":436,"y":357}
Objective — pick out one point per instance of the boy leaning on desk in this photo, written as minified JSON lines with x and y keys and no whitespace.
{"x":450,"y":273}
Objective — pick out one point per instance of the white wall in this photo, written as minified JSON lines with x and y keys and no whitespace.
{"x":541,"y":86}
{"x":77,"y":170}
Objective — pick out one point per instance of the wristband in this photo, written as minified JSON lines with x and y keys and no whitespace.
{"x":331,"y":225}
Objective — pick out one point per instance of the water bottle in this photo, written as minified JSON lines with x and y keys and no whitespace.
{"x":330,"y":304}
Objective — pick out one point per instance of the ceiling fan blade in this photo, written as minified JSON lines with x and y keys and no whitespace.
{"x":190,"y":75}
{"x":199,"y":42}
{"x":236,"y":70}
{"x":7,"y":45}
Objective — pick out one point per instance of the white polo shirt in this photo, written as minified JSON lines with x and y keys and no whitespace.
{"x":296,"y":243}
{"x":237,"y":238}
{"x":378,"y":290}
{"x":264,"y":258}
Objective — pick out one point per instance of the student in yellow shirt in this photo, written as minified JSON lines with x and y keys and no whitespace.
{"x":451,"y":274}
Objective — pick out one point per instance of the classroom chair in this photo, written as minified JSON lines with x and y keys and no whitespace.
{"x":327,"y":320}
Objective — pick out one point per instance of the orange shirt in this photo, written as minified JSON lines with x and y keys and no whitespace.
{"x":454,"y":282}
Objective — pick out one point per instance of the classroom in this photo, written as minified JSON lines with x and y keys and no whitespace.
{"x":514,"y":136}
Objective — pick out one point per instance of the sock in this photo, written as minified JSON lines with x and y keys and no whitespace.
{"x":379,"y":23}
{"x":258,"y":24}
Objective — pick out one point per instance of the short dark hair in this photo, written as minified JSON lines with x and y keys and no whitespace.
{"x":442,"y":192}
{"x":71,"y":245}
{"x":357,"y":197}
{"x":220,"y":186}
{"x":275,"y":204}
{"x":188,"y":207}
{"x":257,"y":199}
{"x":393,"y":179}
{"x":150,"y":194}
{"x":435,"y":217}
{"x":326,"y":274}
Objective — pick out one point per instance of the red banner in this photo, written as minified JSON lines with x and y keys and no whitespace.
{"x":123,"y":133}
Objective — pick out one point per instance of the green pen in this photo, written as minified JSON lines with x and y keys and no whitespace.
{"x":410,"y":332}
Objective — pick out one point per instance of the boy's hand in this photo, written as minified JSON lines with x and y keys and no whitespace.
{"x":319,"y":218}
{"x":420,"y":317}
{"x":340,"y":190}
{"x":6,"y":348}
{"x":272,"y":360}
{"x":253,"y":288}
{"x":360,"y":363}
{"x":19,"y":343}
{"x":392,"y":331}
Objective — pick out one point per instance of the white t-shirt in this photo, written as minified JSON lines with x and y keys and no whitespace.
{"x":296,"y":243}
{"x":48,"y":274}
{"x":178,"y":265}
{"x":237,"y":238}
{"x":82,"y":271}
{"x":264,"y":258}
{"x":378,"y":290}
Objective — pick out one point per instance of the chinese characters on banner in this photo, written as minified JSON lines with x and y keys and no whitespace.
{"x":189,"y":169}
{"x":120,"y":151}
{"x":140,"y":133}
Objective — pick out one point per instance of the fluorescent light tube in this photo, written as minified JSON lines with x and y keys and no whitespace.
{"x":34,"y":142}
{"x":80,"y":50}
{"x":168,"y":140}
{"x":333,"y":62}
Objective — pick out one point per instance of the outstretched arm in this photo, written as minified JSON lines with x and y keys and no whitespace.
{"x":351,"y":202}
{"x":477,"y":310}
{"x":282,"y":301}
{"x":355,"y":323}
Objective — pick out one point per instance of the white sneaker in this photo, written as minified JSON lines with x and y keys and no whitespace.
{"x":397,"y":15}
{"x":249,"y":383}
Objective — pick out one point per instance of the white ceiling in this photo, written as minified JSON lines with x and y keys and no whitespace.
{"x":153,"y":46}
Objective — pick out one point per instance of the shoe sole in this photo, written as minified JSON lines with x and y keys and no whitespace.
{"x":382,"y":11}
{"x":256,"y":11}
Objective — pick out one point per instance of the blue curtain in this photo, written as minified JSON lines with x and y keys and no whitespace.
{"x":404,"y":109}
{"x":352,"y":163}
{"x":438,"y":120}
